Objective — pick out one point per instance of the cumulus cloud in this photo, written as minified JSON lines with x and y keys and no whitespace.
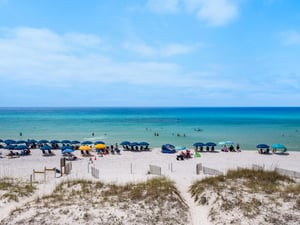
{"x":217,"y":12}
{"x":42,"y":57}
{"x":165,"y":6}
{"x":43,"y":60}
{"x":290,"y":37}
{"x":168,"y":50}
{"x":212,"y":12}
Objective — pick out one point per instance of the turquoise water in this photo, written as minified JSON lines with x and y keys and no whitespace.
{"x":178,"y":126}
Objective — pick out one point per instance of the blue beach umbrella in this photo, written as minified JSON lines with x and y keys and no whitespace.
{"x":31,"y":141}
{"x":43,"y":141}
{"x":66,"y":147}
{"x":66,"y":142}
{"x":143,"y":143}
{"x":54,"y":141}
{"x":125,"y":143}
{"x":229,"y":142}
{"x":87,"y":143}
{"x":210,"y":144}
{"x":262,"y":146}
{"x":10,"y":147}
{"x":99,"y":142}
{"x":21,"y":142}
{"x":278,"y":146}
{"x":134,"y":144}
{"x":75,"y":142}
{"x":198,"y":144}
{"x":21,"y":147}
{"x":46,"y":147}
{"x":10,"y":142}
{"x":68,"y":150}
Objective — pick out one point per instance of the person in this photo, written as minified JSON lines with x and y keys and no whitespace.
{"x":238,"y":147}
{"x":231,"y":148}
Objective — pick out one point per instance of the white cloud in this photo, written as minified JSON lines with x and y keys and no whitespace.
{"x":176,"y":49}
{"x":140,"y":48}
{"x":217,"y":12}
{"x":42,"y":57}
{"x":213,"y":12}
{"x":48,"y":60}
{"x":163,"y":6}
{"x":169,"y":50}
{"x":290,"y":38}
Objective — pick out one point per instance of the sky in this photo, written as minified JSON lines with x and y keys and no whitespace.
{"x":143,"y":53}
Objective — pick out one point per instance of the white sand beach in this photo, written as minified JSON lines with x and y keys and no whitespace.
{"x":134,"y":167}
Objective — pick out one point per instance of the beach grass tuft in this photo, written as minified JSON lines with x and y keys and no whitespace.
{"x":12,"y":189}
{"x":250,"y":192}
{"x":155,"y":201}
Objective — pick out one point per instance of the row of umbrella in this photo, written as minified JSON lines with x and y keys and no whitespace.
{"x":275,"y":146}
{"x":128,"y":143}
{"x":212,"y":144}
{"x":44,"y":141}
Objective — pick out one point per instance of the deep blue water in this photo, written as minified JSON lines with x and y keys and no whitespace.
{"x":178,"y":126}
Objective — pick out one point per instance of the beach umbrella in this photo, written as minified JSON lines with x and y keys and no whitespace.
{"x":10,"y":147}
{"x":210,"y":144}
{"x":100,"y":146}
{"x":66,"y":142}
{"x":44,"y":141}
{"x":68,"y":150}
{"x":85,"y":148}
{"x":46,"y":147}
{"x":75,"y":142}
{"x":198,"y":144}
{"x":87,"y":143}
{"x":278,"y":146}
{"x":222,"y":143}
{"x":66,"y":147}
{"x":262,"y":146}
{"x":99,"y":142}
{"x":31,"y":141}
{"x":21,"y":147}
{"x":134,"y":144}
{"x":1,"y":140}
{"x":21,"y":142}
{"x":10,"y":142}
{"x":143,"y":143}
{"x":54,"y":141}
{"x":125,"y":143}
{"x":229,"y":142}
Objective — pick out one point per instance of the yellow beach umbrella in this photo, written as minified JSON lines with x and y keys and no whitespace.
{"x":85,"y":148}
{"x":100,"y":146}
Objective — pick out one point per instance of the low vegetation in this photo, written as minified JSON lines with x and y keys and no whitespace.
{"x":253,"y":194}
{"x":155,"y":201}
{"x":13,"y":189}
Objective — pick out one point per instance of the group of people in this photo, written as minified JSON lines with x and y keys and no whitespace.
{"x":231,"y":148}
{"x":109,"y":150}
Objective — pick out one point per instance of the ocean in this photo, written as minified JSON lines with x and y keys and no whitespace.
{"x":247,"y":126}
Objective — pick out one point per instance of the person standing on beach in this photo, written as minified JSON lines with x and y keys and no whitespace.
{"x":238,"y":147}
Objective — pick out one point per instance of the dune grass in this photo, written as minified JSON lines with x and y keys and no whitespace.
{"x":155,"y":201}
{"x":250,"y":192}
{"x":12,"y":189}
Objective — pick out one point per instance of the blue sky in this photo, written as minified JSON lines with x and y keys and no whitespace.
{"x":150,"y":53}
